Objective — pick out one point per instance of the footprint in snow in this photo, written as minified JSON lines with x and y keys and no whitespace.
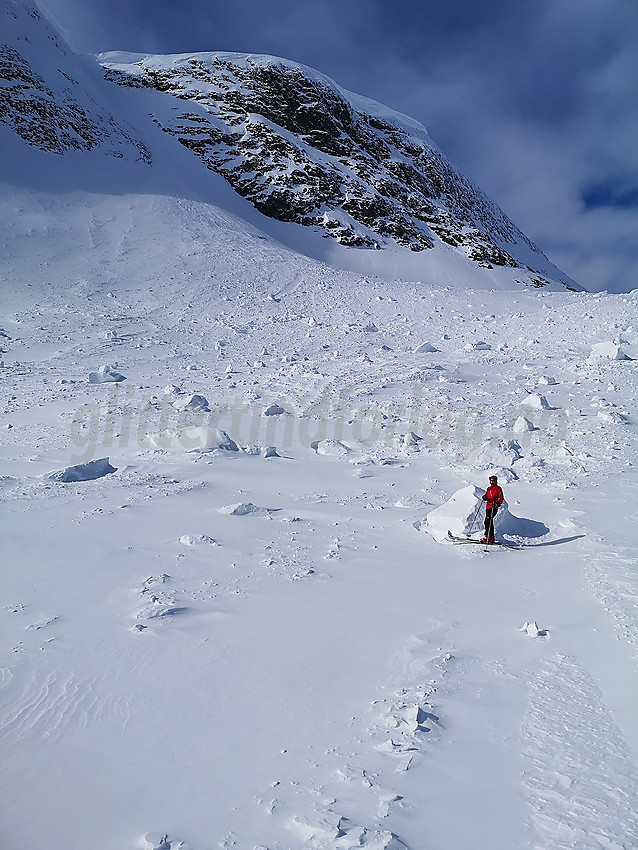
{"x":160,"y":841}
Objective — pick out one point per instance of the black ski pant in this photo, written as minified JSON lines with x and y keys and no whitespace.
{"x":490,"y":513}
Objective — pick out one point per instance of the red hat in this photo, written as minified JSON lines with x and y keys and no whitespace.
{"x":493,"y":478}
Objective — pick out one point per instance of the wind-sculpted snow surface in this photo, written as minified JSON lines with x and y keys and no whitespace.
{"x":582,"y":781}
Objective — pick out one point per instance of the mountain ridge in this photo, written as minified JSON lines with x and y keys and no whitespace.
{"x":311,"y":158}
{"x":302,"y":149}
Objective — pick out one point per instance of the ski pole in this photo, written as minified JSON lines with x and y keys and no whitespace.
{"x":476,"y":513}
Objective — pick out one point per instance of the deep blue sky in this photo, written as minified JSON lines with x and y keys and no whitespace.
{"x":535,"y":100}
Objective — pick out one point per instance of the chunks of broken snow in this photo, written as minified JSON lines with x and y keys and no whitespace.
{"x":257,"y":451}
{"x":478,"y":346}
{"x":522,"y":425}
{"x":331,"y":448}
{"x":411,"y":441}
{"x":536,"y":401}
{"x":83,"y":471}
{"x":246,"y":509}
{"x":425,"y":348}
{"x":533,"y":630}
{"x":461,"y":515}
{"x":191,"y":402}
{"x":197,"y":540}
{"x":496,"y":454}
{"x":274,"y":410}
{"x":105,"y":375}
{"x":606,"y":351}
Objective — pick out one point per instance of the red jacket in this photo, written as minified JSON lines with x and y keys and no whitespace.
{"x":493,"y":496}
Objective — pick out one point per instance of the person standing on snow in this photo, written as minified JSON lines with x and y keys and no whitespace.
{"x":493,"y":499}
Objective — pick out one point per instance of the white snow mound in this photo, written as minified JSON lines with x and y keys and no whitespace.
{"x":207,"y":440}
{"x":105,"y":375}
{"x":245,"y":509}
{"x":495,"y":454}
{"x":83,"y":471}
{"x":331,"y":448}
{"x":458,"y":513}
{"x":191,"y":402}
{"x":536,"y":401}
{"x":522,"y":425}
{"x":197,"y":540}
{"x":606,"y":351}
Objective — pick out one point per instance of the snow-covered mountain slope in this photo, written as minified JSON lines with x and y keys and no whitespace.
{"x":313,"y":159}
{"x":47,"y":94}
{"x":303,"y":150}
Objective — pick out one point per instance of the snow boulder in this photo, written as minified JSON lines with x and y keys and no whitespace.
{"x":496,"y":454}
{"x":197,"y":540}
{"x":533,"y":629}
{"x":462,"y":514}
{"x":330,"y":448}
{"x":257,"y":451}
{"x":411,"y":441}
{"x":478,"y":346}
{"x":536,"y":401}
{"x":191,"y":402}
{"x":274,"y":410}
{"x":602,"y":351}
{"x":246,"y":509}
{"x":425,"y":348}
{"x":105,"y":375}
{"x":522,"y":425}
{"x":172,"y":390}
{"x":83,"y":471}
{"x":205,"y":440}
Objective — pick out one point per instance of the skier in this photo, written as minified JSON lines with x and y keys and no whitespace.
{"x":493,"y":499}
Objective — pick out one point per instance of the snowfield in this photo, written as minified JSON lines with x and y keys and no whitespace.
{"x":208,"y":642}
{"x":231,"y":614}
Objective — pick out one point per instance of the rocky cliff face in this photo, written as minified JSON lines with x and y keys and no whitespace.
{"x":303,"y":150}
{"x":285,"y":137}
{"x":42,"y":96}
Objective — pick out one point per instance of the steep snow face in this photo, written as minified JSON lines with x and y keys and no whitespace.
{"x":47,"y":95}
{"x":303,"y":150}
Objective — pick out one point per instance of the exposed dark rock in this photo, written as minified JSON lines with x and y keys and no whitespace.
{"x":289,"y":141}
{"x":51,"y":120}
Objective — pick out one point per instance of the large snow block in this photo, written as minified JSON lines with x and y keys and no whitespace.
{"x":105,"y":375}
{"x":83,"y":471}
{"x":606,"y":351}
{"x":464,"y":514}
{"x":458,"y":513}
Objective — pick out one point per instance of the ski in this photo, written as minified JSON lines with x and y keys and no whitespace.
{"x":452,"y":538}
